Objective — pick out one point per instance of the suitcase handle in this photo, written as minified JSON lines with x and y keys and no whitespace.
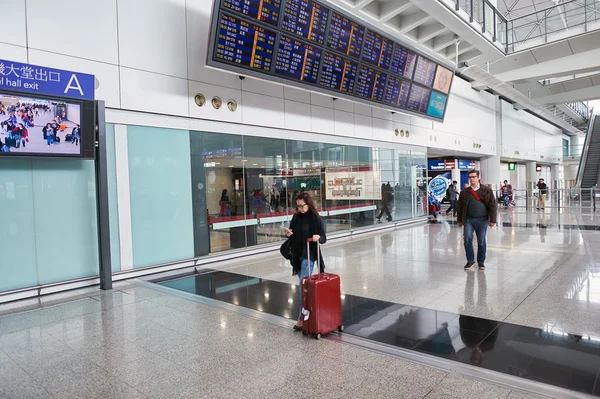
{"x":308,"y":241}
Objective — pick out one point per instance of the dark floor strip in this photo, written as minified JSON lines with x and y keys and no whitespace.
{"x":566,"y":360}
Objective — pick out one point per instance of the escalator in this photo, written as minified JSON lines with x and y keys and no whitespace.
{"x":589,"y":165}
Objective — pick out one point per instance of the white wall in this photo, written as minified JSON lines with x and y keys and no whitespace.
{"x":160,"y":69}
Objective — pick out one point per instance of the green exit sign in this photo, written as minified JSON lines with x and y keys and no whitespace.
{"x":511,"y":165}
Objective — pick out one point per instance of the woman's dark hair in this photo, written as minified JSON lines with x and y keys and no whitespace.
{"x":308,"y":201}
{"x":224,"y":196}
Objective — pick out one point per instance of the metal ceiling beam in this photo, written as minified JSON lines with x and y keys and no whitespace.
{"x":360,"y":4}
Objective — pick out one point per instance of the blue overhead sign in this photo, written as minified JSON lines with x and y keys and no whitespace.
{"x":466,"y":164}
{"x":37,"y":79}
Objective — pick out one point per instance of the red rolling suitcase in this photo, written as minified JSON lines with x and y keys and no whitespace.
{"x":321,"y":302}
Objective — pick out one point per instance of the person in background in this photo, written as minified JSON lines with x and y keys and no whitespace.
{"x":306,"y":225}
{"x":386,"y":198}
{"x":507,"y":193}
{"x":434,"y":205}
{"x":4,"y":147}
{"x":453,"y":197}
{"x":76,"y":135}
{"x":541,"y":202}
{"x":21,"y":134}
{"x":49,"y":134}
{"x":224,"y":204}
{"x":477,"y":209}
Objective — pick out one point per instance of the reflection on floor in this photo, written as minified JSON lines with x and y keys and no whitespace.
{"x":543,"y":354}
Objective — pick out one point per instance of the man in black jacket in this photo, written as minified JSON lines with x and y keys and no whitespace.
{"x":541,"y":202}
{"x":477,"y":209}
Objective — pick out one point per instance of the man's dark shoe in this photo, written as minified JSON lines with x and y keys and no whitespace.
{"x":481,"y":266}
{"x":469,"y":264}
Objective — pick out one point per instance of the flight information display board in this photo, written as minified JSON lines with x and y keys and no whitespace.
{"x":338,"y":73}
{"x":403,"y":61}
{"x":297,"y":60}
{"x":418,"y":99}
{"x":370,"y":83}
{"x":396,"y":92}
{"x":377,"y":49}
{"x":345,"y":35}
{"x":262,"y":10}
{"x":306,"y":19}
{"x":246,"y":44}
{"x":315,"y":45}
{"x":424,"y":71}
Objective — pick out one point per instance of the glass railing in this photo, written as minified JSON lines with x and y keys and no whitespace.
{"x":487,"y":16}
{"x":536,"y":28}
{"x":540,"y":27}
{"x":580,"y":109}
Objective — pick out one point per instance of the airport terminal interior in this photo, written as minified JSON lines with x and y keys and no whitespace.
{"x":159,"y":177}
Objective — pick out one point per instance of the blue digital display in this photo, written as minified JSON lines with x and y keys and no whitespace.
{"x":370,"y":83}
{"x":297,"y":60}
{"x":338,"y":73}
{"x":396,"y":92}
{"x":437,"y":105}
{"x":245,"y":44}
{"x":345,"y":36}
{"x":261,"y":10}
{"x":306,"y":19}
{"x":403,"y":61}
{"x":418,"y":100}
{"x":377,"y":49}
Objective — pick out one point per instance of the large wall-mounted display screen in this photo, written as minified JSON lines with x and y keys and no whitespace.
{"x":35,"y":126}
{"x":316,"y":46}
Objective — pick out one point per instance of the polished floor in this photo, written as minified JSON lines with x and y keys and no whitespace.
{"x":137,"y":342}
{"x":531,"y":314}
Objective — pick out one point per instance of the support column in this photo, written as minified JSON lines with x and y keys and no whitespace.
{"x":490,"y":171}
{"x":556,"y":177}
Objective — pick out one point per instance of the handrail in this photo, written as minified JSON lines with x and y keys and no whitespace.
{"x":584,"y":153}
{"x":571,"y":13}
{"x":580,"y":108}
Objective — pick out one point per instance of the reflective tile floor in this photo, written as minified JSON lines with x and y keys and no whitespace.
{"x":136,"y":342}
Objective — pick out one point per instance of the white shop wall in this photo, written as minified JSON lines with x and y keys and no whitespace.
{"x":159,"y":70}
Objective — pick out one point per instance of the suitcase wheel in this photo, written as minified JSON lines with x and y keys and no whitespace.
{"x":341,"y":328}
{"x":318,"y":336}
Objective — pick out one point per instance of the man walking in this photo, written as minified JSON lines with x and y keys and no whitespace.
{"x":453,"y":197}
{"x":476,"y":210}
{"x":541,"y":202}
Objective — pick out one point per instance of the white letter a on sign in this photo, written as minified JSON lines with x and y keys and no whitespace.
{"x":74,"y":85}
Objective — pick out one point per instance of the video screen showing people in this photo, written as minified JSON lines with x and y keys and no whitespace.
{"x":39,"y":126}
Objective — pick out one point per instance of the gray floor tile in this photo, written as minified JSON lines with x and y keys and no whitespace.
{"x":455,"y":386}
{"x":523,"y":395}
{"x":136,"y":373}
{"x":17,"y":384}
{"x":173,"y":384}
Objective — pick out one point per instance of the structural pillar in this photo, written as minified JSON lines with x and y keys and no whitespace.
{"x":557,"y":177}
{"x":490,"y":171}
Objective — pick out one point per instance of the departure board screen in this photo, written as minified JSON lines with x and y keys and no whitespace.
{"x":370,"y":83}
{"x":424,"y":72}
{"x":338,"y":73}
{"x":313,"y":44}
{"x":345,"y":35}
{"x":306,"y":19}
{"x":245,"y":44}
{"x":297,"y":60}
{"x":396,"y":92}
{"x":377,"y":49}
{"x":403,"y":61}
{"x":418,"y":100}
{"x":262,"y":10}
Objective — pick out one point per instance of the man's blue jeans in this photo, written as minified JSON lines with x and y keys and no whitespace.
{"x":478,"y":226}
